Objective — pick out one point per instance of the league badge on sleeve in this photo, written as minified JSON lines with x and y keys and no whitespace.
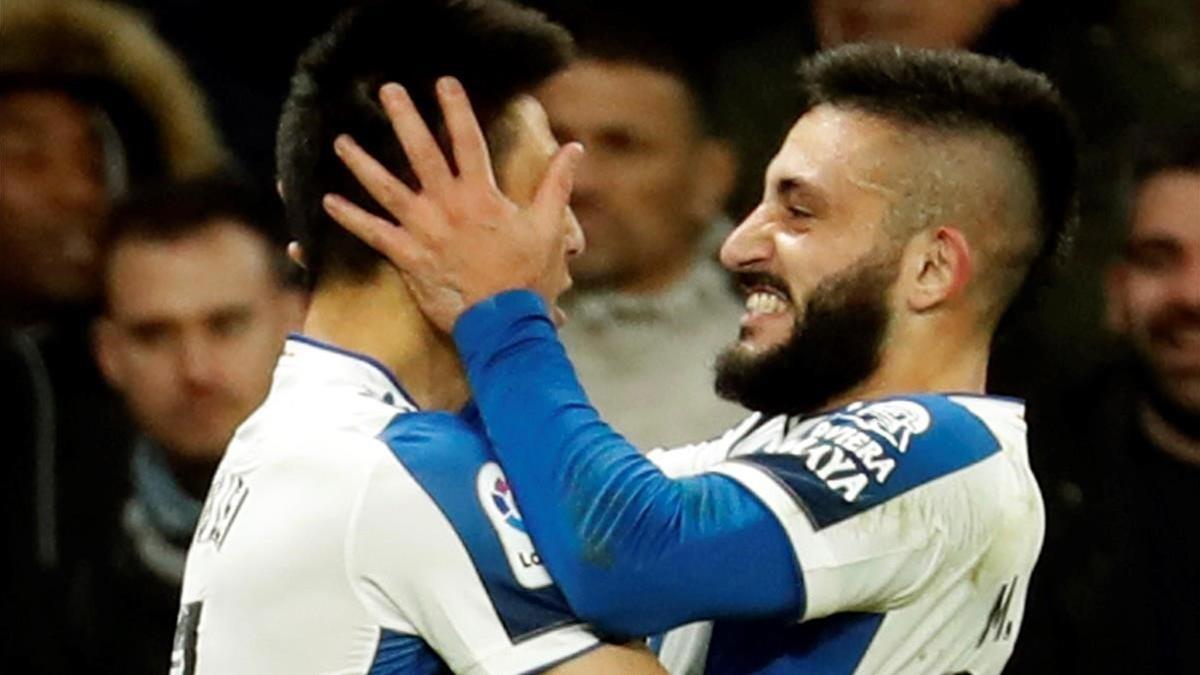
{"x":496,"y":498}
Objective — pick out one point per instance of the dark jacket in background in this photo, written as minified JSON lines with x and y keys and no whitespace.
{"x":1117,"y":588}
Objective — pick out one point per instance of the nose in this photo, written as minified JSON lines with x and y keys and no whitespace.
{"x":78,"y":186}
{"x":198,"y":361}
{"x":749,"y":245}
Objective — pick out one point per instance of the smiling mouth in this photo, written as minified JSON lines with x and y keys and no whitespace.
{"x":766,"y":301}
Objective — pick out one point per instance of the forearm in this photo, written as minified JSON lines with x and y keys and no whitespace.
{"x":633,"y":550}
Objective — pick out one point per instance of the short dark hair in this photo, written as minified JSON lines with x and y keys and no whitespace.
{"x":956,"y":91}
{"x":647,"y":35}
{"x":497,"y":49}
{"x":1165,"y":148}
{"x":167,"y":212}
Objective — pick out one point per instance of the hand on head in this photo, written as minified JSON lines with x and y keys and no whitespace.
{"x":460,"y":239}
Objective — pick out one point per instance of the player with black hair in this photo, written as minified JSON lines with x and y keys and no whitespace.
{"x":878,"y":514}
{"x":358,"y":522}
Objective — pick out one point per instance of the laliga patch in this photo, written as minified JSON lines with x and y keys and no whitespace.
{"x":496,"y":498}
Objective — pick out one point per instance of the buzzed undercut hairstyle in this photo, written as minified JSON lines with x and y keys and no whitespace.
{"x":960,"y":92}
{"x":497,"y":49}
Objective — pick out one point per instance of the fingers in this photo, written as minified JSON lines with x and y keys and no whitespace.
{"x":466,"y":138}
{"x":389,"y":239}
{"x":385,"y":188}
{"x":554,"y":192}
{"x":424,"y":155}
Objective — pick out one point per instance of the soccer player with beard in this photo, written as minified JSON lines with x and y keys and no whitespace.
{"x":877,"y":515}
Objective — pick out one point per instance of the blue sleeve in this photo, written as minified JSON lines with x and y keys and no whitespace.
{"x":635,"y":552}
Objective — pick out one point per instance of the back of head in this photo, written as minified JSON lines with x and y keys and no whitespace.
{"x":495,"y":48}
{"x":949,"y":95}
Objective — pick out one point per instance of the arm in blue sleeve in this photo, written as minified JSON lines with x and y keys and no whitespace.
{"x":634,"y":552}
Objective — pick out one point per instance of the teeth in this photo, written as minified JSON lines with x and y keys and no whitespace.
{"x":765,"y":303}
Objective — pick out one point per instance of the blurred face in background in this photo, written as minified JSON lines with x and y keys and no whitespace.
{"x":911,"y":23}
{"x":1154,"y":292}
{"x":53,"y":198}
{"x":191,"y":334}
{"x":651,"y":181}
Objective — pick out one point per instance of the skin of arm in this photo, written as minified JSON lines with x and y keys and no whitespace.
{"x":632,"y":658}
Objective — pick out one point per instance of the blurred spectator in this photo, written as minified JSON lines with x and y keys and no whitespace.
{"x":1104,"y":73}
{"x":1118,"y":585}
{"x":911,"y":23}
{"x":197,"y":306}
{"x":652,"y":306}
{"x":90,"y":102}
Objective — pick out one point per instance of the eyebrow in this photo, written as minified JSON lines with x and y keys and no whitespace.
{"x":794,"y":186}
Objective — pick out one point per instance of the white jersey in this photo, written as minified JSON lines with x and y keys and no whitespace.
{"x":346,"y":532}
{"x":916,"y":523}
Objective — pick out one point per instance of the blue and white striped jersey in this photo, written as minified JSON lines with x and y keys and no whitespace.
{"x":915,"y":521}
{"x":348,"y":532}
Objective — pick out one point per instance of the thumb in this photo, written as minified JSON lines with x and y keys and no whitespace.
{"x":555,"y":190}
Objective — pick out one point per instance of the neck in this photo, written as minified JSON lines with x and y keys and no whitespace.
{"x":380,"y":319}
{"x":936,"y":357}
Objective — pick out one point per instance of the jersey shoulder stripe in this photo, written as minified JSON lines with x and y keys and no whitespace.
{"x":841,"y":464}
{"x":453,"y":463}
{"x":402,"y":654}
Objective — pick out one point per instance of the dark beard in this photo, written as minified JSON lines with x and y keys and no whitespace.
{"x":835,"y":345}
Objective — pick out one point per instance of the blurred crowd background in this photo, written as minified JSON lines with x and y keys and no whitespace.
{"x":145,"y":293}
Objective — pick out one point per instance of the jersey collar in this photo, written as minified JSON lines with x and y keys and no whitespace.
{"x":339,"y":365}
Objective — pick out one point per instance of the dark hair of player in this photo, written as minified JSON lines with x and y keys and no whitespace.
{"x":954,"y":91}
{"x":495,"y":48}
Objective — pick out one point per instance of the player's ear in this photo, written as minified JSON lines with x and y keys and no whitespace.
{"x":942,"y":266}
{"x":104,"y":350}
{"x":296,"y":253}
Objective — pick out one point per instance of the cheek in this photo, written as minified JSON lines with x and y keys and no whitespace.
{"x":251,"y":358}
{"x":150,"y":383}
{"x":1143,"y":299}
